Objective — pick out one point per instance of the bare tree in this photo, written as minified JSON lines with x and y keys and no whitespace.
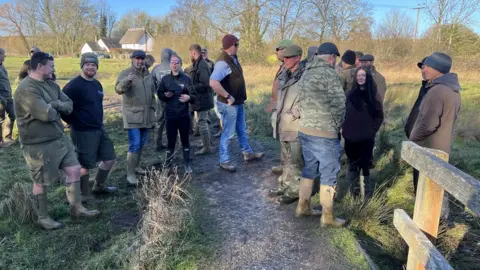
{"x":395,"y":24}
{"x":111,"y":17}
{"x":320,"y":16}
{"x":343,"y":14}
{"x":14,"y":20}
{"x":286,"y":16}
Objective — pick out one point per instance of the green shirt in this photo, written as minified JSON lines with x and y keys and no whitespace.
{"x":39,"y":106}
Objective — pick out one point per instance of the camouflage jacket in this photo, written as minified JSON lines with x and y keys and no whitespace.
{"x":322,"y":106}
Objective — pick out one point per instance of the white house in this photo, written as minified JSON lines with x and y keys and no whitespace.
{"x":103,"y":45}
{"x":137,"y":39}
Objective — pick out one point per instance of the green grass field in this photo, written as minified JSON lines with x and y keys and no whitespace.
{"x":104,"y":243}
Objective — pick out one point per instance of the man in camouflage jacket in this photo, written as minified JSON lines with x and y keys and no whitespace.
{"x":322,"y":111}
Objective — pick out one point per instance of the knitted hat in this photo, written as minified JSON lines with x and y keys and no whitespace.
{"x":440,"y":62}
{"x":88,"y":58}
{"x":349,"y":57}
{"x":228,"y":41}
{"x":293,"y":50}
{"x":328,"y":48}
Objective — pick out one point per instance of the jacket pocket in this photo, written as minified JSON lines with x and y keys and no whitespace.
{"x":134,"y":115}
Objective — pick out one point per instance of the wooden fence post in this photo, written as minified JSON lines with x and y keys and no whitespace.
{"x":428,"y":207}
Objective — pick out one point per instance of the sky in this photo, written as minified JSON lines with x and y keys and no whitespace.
{"x":381,"y":7}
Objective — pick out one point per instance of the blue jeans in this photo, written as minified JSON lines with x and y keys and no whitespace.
{"x":322,"y":158}
{"x":137,"y":137}
{"x":233,"y":119}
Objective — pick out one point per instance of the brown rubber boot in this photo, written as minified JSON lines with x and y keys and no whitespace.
{"x":99,"y":186}
{"x":85,"y":188}
{"x":328,"y":218}
{"x":206,"y":145}
{"x":228,"y":167}
{"x":77,"y":210}
{"x":132,"y":161}
{"x":252,"y":156}
{"x":139,"y":169}
{"x":40,"y":207}
{"x":305,"y":192}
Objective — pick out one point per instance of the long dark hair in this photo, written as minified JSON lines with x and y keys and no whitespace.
{"x":364,"y":94}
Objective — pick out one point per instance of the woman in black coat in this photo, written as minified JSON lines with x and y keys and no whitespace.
{"x":175,"y":90}
{"x":363,"y":119}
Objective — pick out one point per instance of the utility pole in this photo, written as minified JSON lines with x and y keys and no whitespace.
{"x":416,"y":23}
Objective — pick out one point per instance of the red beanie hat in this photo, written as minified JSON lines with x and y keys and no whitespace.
{"x":228,"y":41}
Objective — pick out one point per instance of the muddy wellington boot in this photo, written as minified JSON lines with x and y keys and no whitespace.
{"x":303,"y":206}
{"x":85,"y":188}
{"x":132,"y":161}
{"x":206,"y":145}
{"x":99,"y":186}
{"x":139,"y":169}
{"x":40,"y":207}
{"x":252,"y":156}
{"x":328,"y":218}
{"x":187,"y":161}
{"x":77,"y":210}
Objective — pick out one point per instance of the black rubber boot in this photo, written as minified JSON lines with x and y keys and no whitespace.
{"x":186,"y":161}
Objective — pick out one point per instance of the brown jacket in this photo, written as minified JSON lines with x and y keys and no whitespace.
{"x":347,"y":77}
{"x":138,"y":98}
{"x":288,"y":113}
{"x":381,"y":83}
{"x":438,"y":112}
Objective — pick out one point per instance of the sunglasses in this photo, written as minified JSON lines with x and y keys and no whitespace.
{"x":175,"y":62}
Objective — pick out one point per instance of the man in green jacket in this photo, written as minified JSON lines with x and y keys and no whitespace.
{"x":39,"y":105}
{"x":322,"y":111}
{"x":6,"y":104}
{"x":135,"y":84}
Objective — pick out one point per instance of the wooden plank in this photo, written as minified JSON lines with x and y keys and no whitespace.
{"x":426,"y":255}
{"x":460,"y":185}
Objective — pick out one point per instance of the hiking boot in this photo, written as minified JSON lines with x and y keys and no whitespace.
{"x":277,"y":170}
{"x":99,"y":186}
{"x":252,"y":156}
{"x":85,"y":188}
{"x":285,"y":199}
{"x":186,"y":161}
{"x":303,"y":207}
{"x":40,"y":207}
{"x":132,"y":161}
{"x":77,"y":210}
{"x":328,"y":218}
{"x":228,"y":167}
{"x":206,"y":145}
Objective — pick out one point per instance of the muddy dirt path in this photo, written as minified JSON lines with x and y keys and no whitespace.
{"x":253,"y":231}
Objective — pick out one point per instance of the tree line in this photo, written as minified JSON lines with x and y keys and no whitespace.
{"x":62,"y":26}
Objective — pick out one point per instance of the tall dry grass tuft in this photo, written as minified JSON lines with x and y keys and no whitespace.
{"x":165,"y":204}
{"x":17,"y":204}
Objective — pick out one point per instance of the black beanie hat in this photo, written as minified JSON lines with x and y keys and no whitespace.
{"x":349,"y":57}
{"x":440,"y":62}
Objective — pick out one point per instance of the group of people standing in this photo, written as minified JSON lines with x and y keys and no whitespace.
{"x":315,"y":104}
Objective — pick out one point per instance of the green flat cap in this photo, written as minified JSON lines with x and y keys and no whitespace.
{"x":284,"y":44}
{"x":293,"y":50}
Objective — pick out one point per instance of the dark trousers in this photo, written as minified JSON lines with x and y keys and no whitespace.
{"x":360,"y":155}
{"x":416,"y":174}
{"x":178,"y":125}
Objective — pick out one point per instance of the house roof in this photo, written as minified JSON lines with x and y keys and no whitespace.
{"x":133,"y":35}
{"x":94,"y":46}
{"x":111,"y":43}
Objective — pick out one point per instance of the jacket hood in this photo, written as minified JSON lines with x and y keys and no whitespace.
{"x":311,"y":53}
{"x":450,"y":80}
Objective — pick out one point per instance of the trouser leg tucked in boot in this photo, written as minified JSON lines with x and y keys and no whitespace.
{"x":85,"y":188}
{"x":303,"y":207}
{"x":132,"y":161}
{"x":77,"y":210}
{"x":328,"y":218}
{"x":99,"y":186}
{"x":43,"y":219}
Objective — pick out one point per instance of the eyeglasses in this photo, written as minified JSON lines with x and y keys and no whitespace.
{"x":237,"y":44}
{"x":176,"y":62}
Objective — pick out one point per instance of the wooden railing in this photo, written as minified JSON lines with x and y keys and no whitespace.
{"x":436,"y":176}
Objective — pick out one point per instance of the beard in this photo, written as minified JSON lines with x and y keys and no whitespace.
{"x":89,"y":74}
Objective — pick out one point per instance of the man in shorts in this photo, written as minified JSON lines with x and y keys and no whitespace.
{"x":39,"y":104}
{"x":86,"y":121}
